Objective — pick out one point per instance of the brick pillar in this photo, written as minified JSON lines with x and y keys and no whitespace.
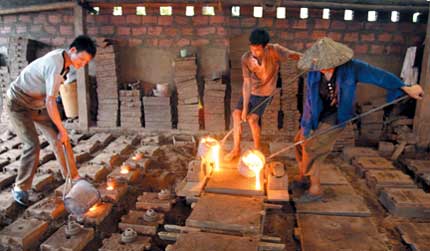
{"x":422,"y":113}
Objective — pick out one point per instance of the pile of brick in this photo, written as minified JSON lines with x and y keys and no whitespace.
{"x":214,"y":105}
{"x":21,"y":52}
{"x":269,"y":120}
{"x":107,"y":85}
{"x":157,"y":113}
{"x":372,"y":124}
{"x":4,"y":85}
{"x":188,"y":93}
{"x":289,"y":99}
{"x":130,"y":108}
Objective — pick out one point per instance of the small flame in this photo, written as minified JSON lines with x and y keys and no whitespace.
{"x":211,"y":156}
{"x":124,"y":169}
{"x":254,"y":160}
{"x":93,"y":208}
{"x":138,"y":156}
{"x":110,"y":184}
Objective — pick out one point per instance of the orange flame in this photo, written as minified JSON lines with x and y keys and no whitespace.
{"x":110,"y":185}
{"x":212,"y":155}
{"x":124,"y":169}
{"x":93,"y":208}
{"x":255,"y":161}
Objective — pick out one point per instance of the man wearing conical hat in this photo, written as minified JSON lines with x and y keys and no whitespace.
{"x":330,"y":95}
{"x":260,"y":67}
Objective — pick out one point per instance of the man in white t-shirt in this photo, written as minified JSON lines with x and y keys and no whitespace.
{"x":31,"y":104}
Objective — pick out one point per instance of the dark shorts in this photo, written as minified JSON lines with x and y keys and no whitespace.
{"x":254,"y":101}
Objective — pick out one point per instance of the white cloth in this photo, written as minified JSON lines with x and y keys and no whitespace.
{"x":409,"y":73}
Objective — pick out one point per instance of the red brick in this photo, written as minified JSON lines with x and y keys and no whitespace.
{"x":66,"y":30}
{"x":398,"y":39}
{"x":123,"y":31}
{"x":59,"y":41}
{"x":199,"y":42}
{"x":135,"y":42}
{"x":151,"y":42}
{"x":102,"y":19}
{"x":281,"y":23}
{"x":337,"y":36}
{"x":9,"y":19}
{"x":235,"y":32}
{"x":367,"y":37}
{"x":318,"y":34}
{"x":92,"y":31}
{"x":21,"y":29}
{"x":24,"y":19}
{"x":133,"y":19}
{"x":377,"y":49}
{"x":170,"y":32}
{"x":206,"y":31}
{"x":354,"y":26}
{"x":90,"y":19}
{"x":155,"y":30}
{"x":338,"y":25}
{"x":39,"y":19}
{"x":182,"y":20}
{"x":149,"y":19}
{"x":118,"y":20}
{"x":390,"y":27}
{"x":298,"y":46}
{"x":221,"y":31}
{"x":321,"y":24}
{"x":137,"y":31}
{"x":234,"y":22}
{"x":165,"y":20}
{"x":182,"y":42}
{"x":265,"y":22}
{"x":200,"y":20}
{"x":406,"y":27}
{"x":301,"y":35}
{"x":385,"y":37}
{"x":373,"y":26}
{"x":361,"y":49}
{"x":300,"y":24}
{"x":54,"y":19}
{"x":394,"y":49}
{"x":351,"y":37}
{"x":165,"y":43}
{"x":248,"y":22}
{"x":50,"y":29}
{"x":285,"y":35}
{"x":36,"y":28}
{"x":68,"y":19}
{"x":217,"y":20}
{"x":187,"y":31}
{"x":107,"y":30}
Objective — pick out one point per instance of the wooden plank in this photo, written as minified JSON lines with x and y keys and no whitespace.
{"x":328,"y":233}
{"x":227,"y":213}
{"x":214,"y":242}
{"x":339,"y":200}
{"x":230,"y":181}
{"x":38,"y":8}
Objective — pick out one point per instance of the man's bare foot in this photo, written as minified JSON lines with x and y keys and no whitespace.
{"x":232,"y":155}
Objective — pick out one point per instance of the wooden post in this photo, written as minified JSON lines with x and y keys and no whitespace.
{"x":82,"y":74}
{"x":422,"y":113}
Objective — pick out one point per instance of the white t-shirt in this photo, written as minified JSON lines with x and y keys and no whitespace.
{"x":39,"y":79}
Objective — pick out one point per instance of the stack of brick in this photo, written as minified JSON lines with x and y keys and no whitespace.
{"x":130,"y":108}
{"x":4,"y":85}
{"x":214,"y":105}
{"x":21,"y":52}
{"x":347,"y":138}
{"x":188,"y":93}
{"x":269,"y":120}
{"x":107,"y":85}
{"x":157,"y":113}
{"x":372,"y":124}
{"x":289,"y":99}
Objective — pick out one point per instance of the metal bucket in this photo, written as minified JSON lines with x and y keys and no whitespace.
{"x":81,"y":198}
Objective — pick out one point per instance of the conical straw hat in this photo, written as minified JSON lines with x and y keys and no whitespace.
{"x":325,"y":54}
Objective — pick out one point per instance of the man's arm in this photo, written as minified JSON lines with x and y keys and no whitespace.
{"x":373,"y":75}
{"x":246,"y":86}
{"x":285,"y":53}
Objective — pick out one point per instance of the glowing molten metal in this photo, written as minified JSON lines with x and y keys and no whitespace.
{"x":209,"y":151}
{"x":254,"y":161}
{"x":124,"y":169}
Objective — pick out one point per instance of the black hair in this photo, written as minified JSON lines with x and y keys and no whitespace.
{"x":84,"y":43}
{"x":259,"y":36}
